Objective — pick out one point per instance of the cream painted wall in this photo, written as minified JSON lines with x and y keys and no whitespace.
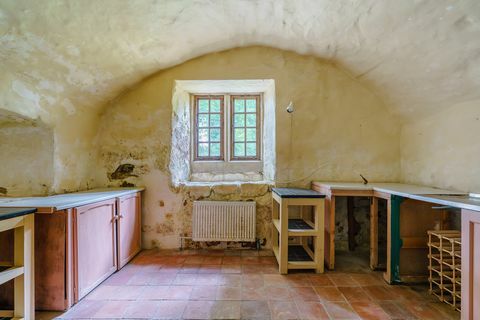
{"x":339,"y":130}
{"x":443,"y":150}
{"x":26,"y":159}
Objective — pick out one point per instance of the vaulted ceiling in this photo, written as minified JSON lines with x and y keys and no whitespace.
{"x":74,"y":56}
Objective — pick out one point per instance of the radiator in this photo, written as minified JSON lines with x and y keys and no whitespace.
{"x":223,"y":221}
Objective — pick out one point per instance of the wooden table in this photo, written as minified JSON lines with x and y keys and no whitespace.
{"x":21,"y":220}
{"x":395,"y":194}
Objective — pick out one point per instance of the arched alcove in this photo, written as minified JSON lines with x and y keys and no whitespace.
{"x":26,"y":156}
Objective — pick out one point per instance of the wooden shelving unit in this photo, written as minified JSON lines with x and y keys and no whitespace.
{"x":444,"y":255}
{"x":305,"y":255}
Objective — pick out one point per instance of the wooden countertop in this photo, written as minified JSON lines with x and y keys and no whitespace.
{"x":54,"y":203}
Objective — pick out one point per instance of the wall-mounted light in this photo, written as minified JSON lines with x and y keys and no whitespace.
{"x":290,"y":108}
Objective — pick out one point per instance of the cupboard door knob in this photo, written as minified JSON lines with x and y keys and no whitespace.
{"x":120,"y":216}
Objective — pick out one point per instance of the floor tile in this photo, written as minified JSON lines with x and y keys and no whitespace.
{"x":230,"y":280}
{"x":203,"y":293}
{"x":343,"y":280}
{"x":228,"y":293}
{"x":369,"y":310}
{"x":112,"y":309}
{"x":395,"y":311}
{"x":283,"y":310}
{"x":226,"y":310}
{"x":170,"y":309}
{"x":255,"y":310}
{"x":379,"y":293}
{"x":340,"y":310}
{"x":304,"y":294}
{"x":185,"y":279}
{"x":198,"y":310}
{"x":278,"y":293}
{"x":329,"y":294}
{"x":354,"y":294}
{"x":141,"y":309}
{"x":320,"y":280}
{"x":311,"y":310}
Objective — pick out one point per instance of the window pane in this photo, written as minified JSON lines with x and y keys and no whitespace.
{"x":252,"y":134}
{"x":239,"y":134}
{"x":203,"y":105}
{"x":215,"y":149}
{"x":203,"y":120}
{"x":215,"y":120}
{"x":203,"y":135}
{"x":251,"y":105}
{"x":215,"y":105}
{"x":239,"y":105}
{"x":251,"y":149}
{"x":214,"y":135}
{"x":239,"y":150}
{"x":239,"y":120}
{"x":203,"y":149}
{"x":251,"y":120}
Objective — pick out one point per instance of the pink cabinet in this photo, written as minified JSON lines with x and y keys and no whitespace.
{"x":128,"y":227}
{"x":95,"y":238}
{"x":470,"y":265}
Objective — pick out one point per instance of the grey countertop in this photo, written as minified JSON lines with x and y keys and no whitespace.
{"x":8,"y":213}
{"x":68,"y":200}
{"x":452,"y":198}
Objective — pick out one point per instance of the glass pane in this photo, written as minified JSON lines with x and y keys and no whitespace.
{"x":203,"y":149}
{"x":215,"y":120}
{"x":239,"y":105}
{"x":239,"y":134}
{"x":202,"y":105}
{"x":214,"y":135}
{"x":251,"y":105}
{"x":239,"y":120}
{"x":239,"y":150}
{"x":251,"y":135}
{"x":203,"y":135}
{"x":203,"y":120}
{"x":251,"y":120}
{"x":251,"y":149}
{"x":215,"y":105}
{"x":215,"y":149}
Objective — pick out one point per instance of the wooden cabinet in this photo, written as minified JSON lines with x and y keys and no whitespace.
{"x":95,"y":239}
{"x":470,"y":265}
{"x":78,"y":248}
{"x":128,"y":228}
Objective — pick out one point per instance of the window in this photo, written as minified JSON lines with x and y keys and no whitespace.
{"x":209,"y":124}
{"x":239,"y":114}
{"x":244,"y":131}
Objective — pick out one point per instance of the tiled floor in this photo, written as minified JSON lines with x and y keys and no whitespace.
{"x":246,"y":285}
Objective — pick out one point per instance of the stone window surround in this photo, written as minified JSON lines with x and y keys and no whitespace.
{"x":181,"y":158}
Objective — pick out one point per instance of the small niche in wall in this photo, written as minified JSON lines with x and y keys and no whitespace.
{"x":26,"y":156}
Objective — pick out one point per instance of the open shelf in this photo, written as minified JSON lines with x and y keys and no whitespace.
{"x":298,"y":227}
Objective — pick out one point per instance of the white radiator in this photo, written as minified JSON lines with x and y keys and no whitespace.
{"x":223,"y":221}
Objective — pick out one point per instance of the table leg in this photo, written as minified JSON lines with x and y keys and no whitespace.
{"x":374,"y":233}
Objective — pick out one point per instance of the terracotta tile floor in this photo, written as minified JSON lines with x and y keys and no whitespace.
{"x":246,"y":285}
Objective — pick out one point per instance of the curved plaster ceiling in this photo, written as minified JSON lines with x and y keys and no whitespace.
{"x":66,"y":56}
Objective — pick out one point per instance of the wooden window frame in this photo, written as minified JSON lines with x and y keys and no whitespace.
{"x":196,"y":98}
{"x":258,"y":127}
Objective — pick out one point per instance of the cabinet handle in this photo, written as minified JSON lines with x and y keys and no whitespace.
{"x":120,"y":216}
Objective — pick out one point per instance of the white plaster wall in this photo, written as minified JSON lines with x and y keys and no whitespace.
{"x":339,"y":129}
{"x":443,"y":150}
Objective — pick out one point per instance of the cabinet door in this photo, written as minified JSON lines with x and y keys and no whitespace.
{"x":470,"y":264}
{"x":95,"y":240}
{"x":129,"y":228}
